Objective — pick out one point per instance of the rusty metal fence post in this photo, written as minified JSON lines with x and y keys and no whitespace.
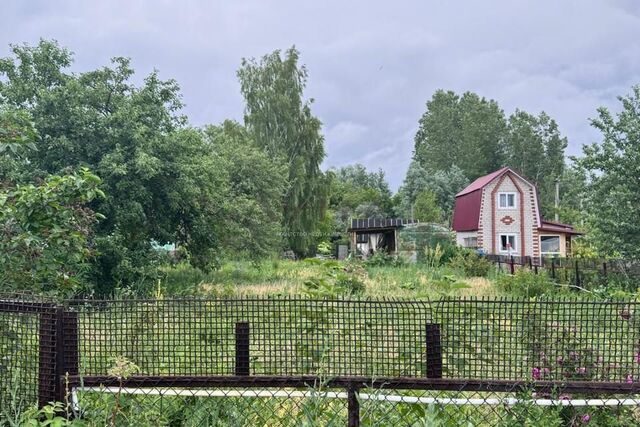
{"x":353,"y":407}
{"x":69,"y":349}
{"x":242,"y":349}
{"x":57,"y":353}
{"x":47,"y":357}
{"x":434,"y":351}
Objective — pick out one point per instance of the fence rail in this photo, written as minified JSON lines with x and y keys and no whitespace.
{"x":340,"y":361}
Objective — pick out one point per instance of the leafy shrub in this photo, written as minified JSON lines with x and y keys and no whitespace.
{"x":471,"y":263}
{"x":336,"y":279}
{"x":447,"y":284}
{"x":49,"y":416}
{"x":324,"y":248}
{"x":47,"y":241}
{"x":433,"y":256}
{"x":525,"y":283}
{"x":383,"y":259}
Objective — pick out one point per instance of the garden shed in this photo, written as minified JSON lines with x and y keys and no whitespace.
{"x":370,"y":235}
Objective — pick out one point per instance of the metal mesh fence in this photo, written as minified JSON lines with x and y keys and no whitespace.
{"x":547,"y":340}
{"x":480,"y":339}
{"x":583,"y":272}
{"x":287,"y":336}
{"x":27,"y":331}
{"x":293,"y":361}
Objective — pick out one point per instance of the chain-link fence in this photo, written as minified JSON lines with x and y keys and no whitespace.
{"x":294,"y":361}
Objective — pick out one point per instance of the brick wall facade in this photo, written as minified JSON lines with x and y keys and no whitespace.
{"x":521,"y":220}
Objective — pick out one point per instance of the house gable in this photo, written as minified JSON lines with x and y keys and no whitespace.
{"x":477,"y":209}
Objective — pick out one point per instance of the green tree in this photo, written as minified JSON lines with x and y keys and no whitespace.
{"x":572,"y":194}
{"x":357,"y":177}
{"x":256,"y":183}
{"x":280,"y":121}
{"x":47,"y":233}
{"x":535,"y":148}
{"x":161,"y":181}
{"x":18,"y":137}
{"x":47,"y":229}
{"x":613,"y":175}
{"x":426,"y":207}
{"x":465,"y":131}
{"x":356,"y":192}
{"x":444,"y":184}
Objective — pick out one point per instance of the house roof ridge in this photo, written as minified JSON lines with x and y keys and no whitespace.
{"x":481,"y":182}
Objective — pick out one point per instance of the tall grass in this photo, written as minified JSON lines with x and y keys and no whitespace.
{"x":284,"y":277}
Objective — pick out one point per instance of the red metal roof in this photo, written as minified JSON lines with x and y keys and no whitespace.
{"x":466,"y":213}
{"x":480,"y":183}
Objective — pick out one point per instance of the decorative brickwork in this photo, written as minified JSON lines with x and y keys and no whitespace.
{"x":507,"y":220}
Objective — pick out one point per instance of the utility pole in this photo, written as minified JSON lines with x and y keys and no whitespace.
{"x":557,"y":202}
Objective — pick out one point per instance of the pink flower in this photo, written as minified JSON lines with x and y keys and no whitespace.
{"x":585,"y":418}
{"x":638,"y":357}
{"x":559,"y":360}
{"x":629,"y":379}
{"x":546,"y":371}
{"x":564,"y":397}
{"x":535,"y":373}
{"x":581,"y":370}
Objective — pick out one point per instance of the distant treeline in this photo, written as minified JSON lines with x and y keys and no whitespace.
{"x":95,"y":171}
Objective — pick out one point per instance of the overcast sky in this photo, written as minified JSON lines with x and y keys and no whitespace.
{"x":372,"y":64}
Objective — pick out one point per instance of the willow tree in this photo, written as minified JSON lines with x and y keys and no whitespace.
{"x":280,"y":121}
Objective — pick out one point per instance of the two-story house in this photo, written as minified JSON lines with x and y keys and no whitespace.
{"x":499,"y":213}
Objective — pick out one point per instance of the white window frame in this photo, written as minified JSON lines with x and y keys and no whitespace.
{"x":514,"y":248}
{"x":507,"y":194}
{"x":559,"y":244}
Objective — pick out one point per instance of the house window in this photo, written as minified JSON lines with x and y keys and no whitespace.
{"x":508,"y":243}
{"x":470,"y":242}
{"x":362,"y":238}
{"x":506,"y":200}
{"x":550,"y":245}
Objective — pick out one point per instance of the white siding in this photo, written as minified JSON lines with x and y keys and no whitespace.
{"x":461,"y":235}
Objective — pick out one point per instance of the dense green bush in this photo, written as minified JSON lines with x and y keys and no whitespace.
{"x":47,"y":241}
{"x":471,"y":263}
{"x":383,"y":259}
{"x":336,"y":279}
{"x":525,"y":283}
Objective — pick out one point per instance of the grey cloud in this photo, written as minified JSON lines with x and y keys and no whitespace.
{"x":372,"y":64}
